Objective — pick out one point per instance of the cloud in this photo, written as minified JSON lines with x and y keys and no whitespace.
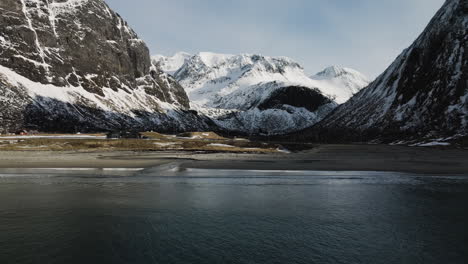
{"x":363,"y":34}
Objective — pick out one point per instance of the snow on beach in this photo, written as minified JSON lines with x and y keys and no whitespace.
{"x":220,"y":145}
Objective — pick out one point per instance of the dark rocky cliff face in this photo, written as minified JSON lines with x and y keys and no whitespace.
{"x":90,"y":51}
{"x":424,"y":93}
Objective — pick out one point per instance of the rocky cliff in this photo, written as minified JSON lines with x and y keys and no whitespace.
{"x":76,"y":65}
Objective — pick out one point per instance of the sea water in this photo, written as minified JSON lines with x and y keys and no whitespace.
{"x":227,"y":216}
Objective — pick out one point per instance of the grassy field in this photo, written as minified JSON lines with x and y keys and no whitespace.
{"x":197,"y":141}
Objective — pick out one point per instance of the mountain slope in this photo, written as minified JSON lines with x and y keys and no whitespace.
{"x":76,"y":65}
{"x":235,"y":90}
{"x":423,"y":94}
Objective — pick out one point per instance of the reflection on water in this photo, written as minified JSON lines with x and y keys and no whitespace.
{"x":208,"y":216}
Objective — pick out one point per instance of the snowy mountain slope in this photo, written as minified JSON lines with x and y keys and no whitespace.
{"x":170,"y":64}
{"x":343,"y":83}
{"x":78,"y":60}
{"x":208,"y":77}
{"x":28,"y":104}
{"x":231,"y":89}
{"x":423,"y":94}
{"x":278,"y":118}
{"x":272,"y":109}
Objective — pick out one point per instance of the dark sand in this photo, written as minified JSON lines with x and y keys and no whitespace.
{"x":447,"y":161}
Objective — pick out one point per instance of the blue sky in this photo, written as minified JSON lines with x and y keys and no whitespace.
{"x":365,"y":35}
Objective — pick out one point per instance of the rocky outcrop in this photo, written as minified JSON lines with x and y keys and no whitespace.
{"x":82,"y":54}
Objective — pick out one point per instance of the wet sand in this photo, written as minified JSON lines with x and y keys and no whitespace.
{"x":322,"y":157}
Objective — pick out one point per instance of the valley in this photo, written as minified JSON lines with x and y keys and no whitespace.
{"x":61,"y":73}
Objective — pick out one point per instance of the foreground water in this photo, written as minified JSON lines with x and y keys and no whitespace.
{"x":201,"y":216}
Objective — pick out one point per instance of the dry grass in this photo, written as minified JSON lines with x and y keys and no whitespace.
{"x":155,"y":135}
{"x":58,"y":135}
{"x":159,"y":143}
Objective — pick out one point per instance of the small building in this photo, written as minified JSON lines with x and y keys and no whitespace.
{"x":26,"y":132}
{"x":125,"y":135}
{"x":22,"y":132}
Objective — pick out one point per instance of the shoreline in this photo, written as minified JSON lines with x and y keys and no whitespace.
{"x":381,"y":158}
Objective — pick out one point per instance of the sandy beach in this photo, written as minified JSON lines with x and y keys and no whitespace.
{"x":445,"y":161}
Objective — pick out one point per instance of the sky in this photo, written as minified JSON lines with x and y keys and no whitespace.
{"x":366,"y":35}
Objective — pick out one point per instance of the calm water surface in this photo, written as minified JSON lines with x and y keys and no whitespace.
{"x":201,"y":216}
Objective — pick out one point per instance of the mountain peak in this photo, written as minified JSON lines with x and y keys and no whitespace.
{"x":212,"y":59}
{"x":332,"y":71}
{"x":337,"y":71}
{"x":342,"y":82}
{"x":171,"y":64}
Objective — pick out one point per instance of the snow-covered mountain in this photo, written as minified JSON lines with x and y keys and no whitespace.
{"x":233,"y":88}
{"x":271,"y":109}
{"x":75,"y":65}
{"x":341,"y":82}
{"x":423,"y":94}
{"x":216,"y":80}
{"x":170,"y":64}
